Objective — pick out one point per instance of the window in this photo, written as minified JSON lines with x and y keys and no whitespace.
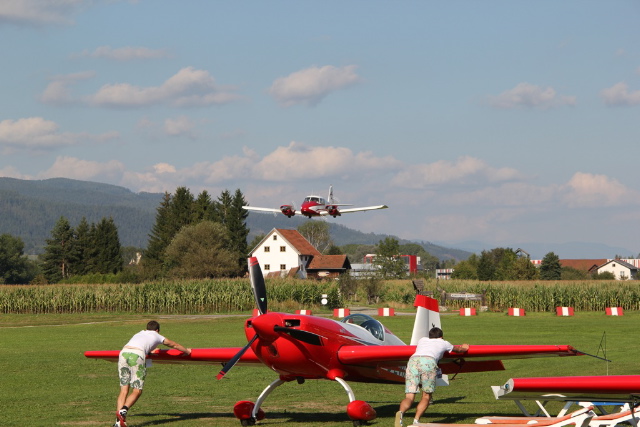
{"x":283,"y":266}
{"x":267,"y":267}
{"x":267,"y":249}
{"x":275,"y":237}
{"x":283,"y":249}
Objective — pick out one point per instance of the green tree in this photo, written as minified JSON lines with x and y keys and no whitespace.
{"x":84,"y":247}
{"x":203,"y":208}
{"x":317,"y":233}
{"x":256,"y":241}
{"x":108,"y":255}
{"x":550,"y":268}
{"x":467,"y":269}
{"x":523,"y":269}
{"x":15,"y":268}
{"x":60,"y":252}
{"x":236,"y":223}
{"x":388,"y":261}
{"x":161,"y":234}
{"x":333,"y":250}
{"x":201,"y":251}
{"x":486,"y":266}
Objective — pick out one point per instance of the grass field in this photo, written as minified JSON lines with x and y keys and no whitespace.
{"x":46,"y":380}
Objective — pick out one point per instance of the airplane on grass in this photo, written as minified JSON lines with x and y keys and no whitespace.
{"x":313,"y":206}
{"x":608,"y":388}
{"x":357,"y":348}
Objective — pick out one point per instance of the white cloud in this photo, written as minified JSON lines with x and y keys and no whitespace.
{"x":74,"y":168}
{"x":179,"y":126}
{"x":311,"y":85}
{"x":126,"y":53}
{"x":530,"y":96}
{"x":57,"y":92}
{"x":465,"y":171}
{"x":300,"y":161}
{"x":187,"y":88}
{"x":39,"y":12}
{"x":619,"y":94}
{"x":36,"y":133}
{"x":589,"y":190}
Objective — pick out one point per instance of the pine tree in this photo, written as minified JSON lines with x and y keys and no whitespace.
{"x":231,"y":214}
{"x":161,"y":234}
{"x":60,"y":253}
{"x":84,"y":247}
{"x":107,"y":243}
{"x":203,"y":209}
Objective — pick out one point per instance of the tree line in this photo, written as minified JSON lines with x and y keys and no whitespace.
{"x":193,"y":237}
{"x":501,"y":264}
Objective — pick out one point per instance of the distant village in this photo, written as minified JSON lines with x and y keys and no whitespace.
{"x":286,"y":253}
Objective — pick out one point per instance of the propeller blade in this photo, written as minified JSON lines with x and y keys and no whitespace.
{"x":235,"y":359}
{"x":304,"y":336}
{"x":257,"y":285}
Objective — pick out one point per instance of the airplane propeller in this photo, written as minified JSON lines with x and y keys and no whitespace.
{"x":260,"y":295}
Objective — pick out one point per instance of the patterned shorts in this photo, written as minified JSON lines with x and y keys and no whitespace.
{"x":131,"y":368}
{"x":420,"y":370}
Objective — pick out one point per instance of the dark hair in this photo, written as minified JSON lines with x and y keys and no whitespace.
{"x":435,"y":333}
{"x":153,"y":326}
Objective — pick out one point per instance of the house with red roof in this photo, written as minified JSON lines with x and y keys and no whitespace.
{"x":286,"y":253}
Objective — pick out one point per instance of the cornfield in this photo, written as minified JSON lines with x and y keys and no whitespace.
{"x":542,"y":296}
{"x":184,"y":297}
{"x":234,"y":295}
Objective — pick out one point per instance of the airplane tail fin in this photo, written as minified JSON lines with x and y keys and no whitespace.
{"x":330,"y":198}
{"x":427,"y":317}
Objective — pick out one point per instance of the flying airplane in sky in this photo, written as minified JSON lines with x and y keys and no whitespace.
{"x":316,"y":206}
{"x":357,"y":348}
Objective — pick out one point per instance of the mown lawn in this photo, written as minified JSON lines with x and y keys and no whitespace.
{"x":46,"y":380}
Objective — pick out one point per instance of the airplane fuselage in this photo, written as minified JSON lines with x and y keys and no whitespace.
{"x":293,"y":359}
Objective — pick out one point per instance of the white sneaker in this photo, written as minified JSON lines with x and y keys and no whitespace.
{"x":398,"y":422}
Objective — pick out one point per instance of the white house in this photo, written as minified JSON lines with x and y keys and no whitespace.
{"x":621,"y":270}
{"x":287,"y":253}
{"x":284,"y":250}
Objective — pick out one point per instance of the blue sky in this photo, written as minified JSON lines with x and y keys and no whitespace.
{"x":496,"y":121}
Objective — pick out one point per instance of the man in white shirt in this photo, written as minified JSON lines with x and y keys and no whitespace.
{"x":421,"y":370}
{"x":132,"y":366}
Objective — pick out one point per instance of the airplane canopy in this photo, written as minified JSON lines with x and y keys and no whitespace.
{"x":367,"y":322}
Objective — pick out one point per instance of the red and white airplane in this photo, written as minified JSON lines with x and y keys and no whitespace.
{"x":609,"y":388}
{"x":316,"y":206}
{"x":357,"y":348}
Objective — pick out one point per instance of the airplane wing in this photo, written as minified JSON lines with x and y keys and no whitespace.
{"x":609,"y":388}
{"x":478,"y":358}
{"x":198,"y":355}
{"x":350,"y":210}
{"x":271,"y":210}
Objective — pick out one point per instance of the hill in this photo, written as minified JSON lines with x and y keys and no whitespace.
{"x":30,"y":208}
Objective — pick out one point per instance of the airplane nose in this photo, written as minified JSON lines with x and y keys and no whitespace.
{"x":264,"y":326}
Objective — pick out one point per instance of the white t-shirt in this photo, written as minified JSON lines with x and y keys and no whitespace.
{"x":435,"y":347}
{"x":146,"y":340}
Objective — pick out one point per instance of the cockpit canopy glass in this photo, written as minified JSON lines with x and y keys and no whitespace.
{"x":367,"y":322}
{"x":315,"y":199}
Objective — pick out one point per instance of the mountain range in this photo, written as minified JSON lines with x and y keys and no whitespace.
{"x":29,"y":209}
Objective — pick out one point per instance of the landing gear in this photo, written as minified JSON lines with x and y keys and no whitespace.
{"x":249,"y":413}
